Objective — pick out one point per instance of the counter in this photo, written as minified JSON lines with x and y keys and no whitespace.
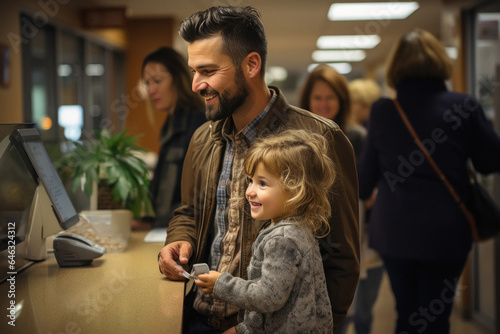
{"x":118,"y":293}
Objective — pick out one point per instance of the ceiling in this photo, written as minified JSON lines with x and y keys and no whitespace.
{"x":293,"y":26}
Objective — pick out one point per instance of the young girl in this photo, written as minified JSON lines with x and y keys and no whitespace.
{"x":286,"y":289}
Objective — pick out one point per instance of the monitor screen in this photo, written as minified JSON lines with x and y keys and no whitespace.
{"x":33,"y":151}
{"x":17,"y":188}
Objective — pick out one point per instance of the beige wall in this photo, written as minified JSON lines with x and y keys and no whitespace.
{"x":11,"y":104}
{"x":144,"y":36}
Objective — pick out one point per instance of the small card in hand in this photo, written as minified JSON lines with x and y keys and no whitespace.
{"x":199,"y":268}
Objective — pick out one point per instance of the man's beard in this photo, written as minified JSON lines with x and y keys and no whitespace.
{"x":228,"y":102}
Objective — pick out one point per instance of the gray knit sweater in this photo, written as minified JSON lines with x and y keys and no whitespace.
{"x":286,"y":288}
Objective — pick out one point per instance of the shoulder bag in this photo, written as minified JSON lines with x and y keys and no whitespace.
{"x":484,"y":214}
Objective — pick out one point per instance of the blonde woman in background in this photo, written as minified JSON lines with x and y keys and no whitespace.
{"x":363,"y":93}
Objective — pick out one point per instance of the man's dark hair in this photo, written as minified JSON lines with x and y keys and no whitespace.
{"x":241,"y":30}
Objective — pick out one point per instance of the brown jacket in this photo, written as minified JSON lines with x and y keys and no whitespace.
{"x":193,"y":221}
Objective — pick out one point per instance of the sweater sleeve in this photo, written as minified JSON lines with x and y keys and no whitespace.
{"x":271,"y":290}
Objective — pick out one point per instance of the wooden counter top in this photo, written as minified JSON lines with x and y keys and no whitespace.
{"x":118,"y":293}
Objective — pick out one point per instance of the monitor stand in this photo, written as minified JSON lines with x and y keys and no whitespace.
{"x":42,"y":224}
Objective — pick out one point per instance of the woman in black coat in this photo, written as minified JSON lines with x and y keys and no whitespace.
{"x":415,"y":225}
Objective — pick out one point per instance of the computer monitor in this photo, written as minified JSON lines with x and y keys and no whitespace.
{"x":33,"y":151}
{"x":33,"y":201}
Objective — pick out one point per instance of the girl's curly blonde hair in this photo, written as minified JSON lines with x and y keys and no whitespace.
{"x":299,"y":159}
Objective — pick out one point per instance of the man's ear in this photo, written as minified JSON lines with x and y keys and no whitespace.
{"x":252,"y":65}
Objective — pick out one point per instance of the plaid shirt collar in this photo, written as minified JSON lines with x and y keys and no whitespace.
{"x":250,"y":131}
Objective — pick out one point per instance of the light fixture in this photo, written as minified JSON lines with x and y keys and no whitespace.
{"x":278,"y":73}
{"x":64,"y":70}
{"x":348,"y":42}
{"x":70,"y":117}
{"x":452,"y":52}
{"x":342,"y":68}
{"x":371,"y":11}
{"x":46,"y":123}
{"x":94,"y":70}
{"x":338,"y":55}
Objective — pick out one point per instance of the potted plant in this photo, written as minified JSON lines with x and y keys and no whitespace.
{"x":111,"y":163}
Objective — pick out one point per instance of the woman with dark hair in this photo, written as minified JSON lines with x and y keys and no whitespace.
{"x":415,"y":225}
{"x":168,"y":82}
{"x":326,"y":93}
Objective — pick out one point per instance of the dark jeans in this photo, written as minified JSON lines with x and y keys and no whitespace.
{"x":364,"y":299}
{"x":194,"y":322}
{"x":424,"y":293}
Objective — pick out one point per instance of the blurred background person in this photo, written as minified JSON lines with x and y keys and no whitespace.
{"x":415,"y":225}
{"x":167,"y":79}
{"x":326,"y":93}
{"x":363,"y":93}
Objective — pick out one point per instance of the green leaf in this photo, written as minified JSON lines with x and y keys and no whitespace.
{"x":122,"y":188}
{"x":136,"y":163}
{"x":114,"y":172}
{"x":75,"y":184}
{"x":126,"y":173}
{"x":88,"y":187}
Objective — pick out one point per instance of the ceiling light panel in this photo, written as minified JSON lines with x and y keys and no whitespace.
{"x":348,"y":42}
{"x":371,"y":11}
{"x":338,"y":55}
{"x":342,"y":68}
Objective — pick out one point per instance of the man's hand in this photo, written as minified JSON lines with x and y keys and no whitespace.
{"x":207,"y":281}
{"x":172,"y":257}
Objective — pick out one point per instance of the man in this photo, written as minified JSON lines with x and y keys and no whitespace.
{"x":227,"y":53}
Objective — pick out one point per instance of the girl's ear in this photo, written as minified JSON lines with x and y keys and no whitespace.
{"x":252,"y":65}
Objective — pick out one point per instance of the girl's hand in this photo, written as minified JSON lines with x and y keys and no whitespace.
{"x":207,"y":281}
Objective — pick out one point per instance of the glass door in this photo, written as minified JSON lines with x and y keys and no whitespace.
{"x":483,"y":45}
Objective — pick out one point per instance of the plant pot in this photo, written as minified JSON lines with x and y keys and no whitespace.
{"x":105,"y":199}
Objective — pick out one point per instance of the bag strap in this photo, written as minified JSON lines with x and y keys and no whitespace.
{"x":458,"y":200}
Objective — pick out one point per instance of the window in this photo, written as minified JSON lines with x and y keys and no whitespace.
{"x":39,"y":81}
{"x":70,"y":83}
